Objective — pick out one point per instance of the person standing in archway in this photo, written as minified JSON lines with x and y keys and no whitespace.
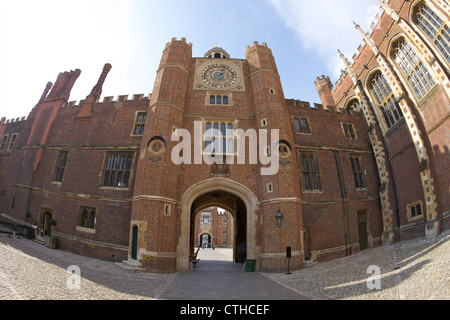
{"x":243,"y":251}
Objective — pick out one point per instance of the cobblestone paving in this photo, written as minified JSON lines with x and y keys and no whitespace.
{"x":414,"y":269}
{"x":409,"y":270}
{"x":29,"y":270}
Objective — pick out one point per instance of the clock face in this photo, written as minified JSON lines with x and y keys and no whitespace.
{"x":219,"y":76}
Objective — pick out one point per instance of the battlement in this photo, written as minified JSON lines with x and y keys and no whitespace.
{"x":318,"y":107}
{"x":174,"y":40}
{"x":5,"y":121}
{"x":110,"y":99}
{"x":256,"y":44}
{"x":322,"y":79}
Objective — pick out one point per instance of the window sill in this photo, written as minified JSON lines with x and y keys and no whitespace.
{"x":313,"y":191}
{"x":114,"y":188}
{"x":394,"y":126}
{"x":412,"y":219}
{"x":86,"y":230}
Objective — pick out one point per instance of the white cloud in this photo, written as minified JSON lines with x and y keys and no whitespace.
{"x":324,"y":26}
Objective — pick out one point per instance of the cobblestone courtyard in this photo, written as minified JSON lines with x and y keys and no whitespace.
{"x":414,"y":269}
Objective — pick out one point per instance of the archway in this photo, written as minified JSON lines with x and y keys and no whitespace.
{"x":234,"y":205}
{"x":205,"y":240}
{"x":230,"y":195}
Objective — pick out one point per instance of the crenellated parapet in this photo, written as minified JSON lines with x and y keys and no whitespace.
{"x":109,"y":99}
{"x":307,"y":106}
{"x":5,"y":121}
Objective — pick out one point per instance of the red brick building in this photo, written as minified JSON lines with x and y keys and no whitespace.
{"x":214,"y":227}
{"x":369,"y":166}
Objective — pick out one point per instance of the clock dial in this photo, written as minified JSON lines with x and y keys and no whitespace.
{"x":219,"y":76}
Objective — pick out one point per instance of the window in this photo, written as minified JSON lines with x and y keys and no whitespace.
{"x":219,"y":138}
{"x":302,"y":125}
{"x":12,"y":142}
{"x":86,"y":217}
{"x":383,"y":94}
{"x":414,"y":210}
{"x":413,"y":69}
{"x":2,"y":146}
{"x":349,"y":131}
{"x":435,"y":29}
{"x":206,"y":218}
{"x":139,"y":123}
{"x":218,"y":100}
{"x":264,"y":122}
{"x":359,"y":174}
{"x":167,"y":209}
{"x":353,"y":105}
{"x":60,"y":166}
{"x":117,"y":170}
{"x":310,"y":172}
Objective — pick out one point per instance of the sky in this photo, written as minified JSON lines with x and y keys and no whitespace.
{"x":41,"y":38}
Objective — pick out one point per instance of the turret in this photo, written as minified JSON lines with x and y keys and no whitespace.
{"x":324,"y":88}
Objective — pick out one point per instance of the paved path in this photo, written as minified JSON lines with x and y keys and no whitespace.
{"x":414,"y":269}
{"x":217,"y":277}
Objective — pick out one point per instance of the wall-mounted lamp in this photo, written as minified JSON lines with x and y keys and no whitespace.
{"x":279,"y":219}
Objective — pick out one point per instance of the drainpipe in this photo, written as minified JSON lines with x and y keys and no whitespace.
{"x":337,"y":159}
{"x":394,"y":187}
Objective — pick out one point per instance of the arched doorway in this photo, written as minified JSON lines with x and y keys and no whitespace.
{"x":232,"y":204}
{"x":230,"y":195}
{"x":45,"y":223}
{"x":205,"y":240}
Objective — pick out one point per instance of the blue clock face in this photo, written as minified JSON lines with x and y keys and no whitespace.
{"x":219,"y":76}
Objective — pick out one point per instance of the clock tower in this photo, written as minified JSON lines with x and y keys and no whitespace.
{"x":211,"y":99}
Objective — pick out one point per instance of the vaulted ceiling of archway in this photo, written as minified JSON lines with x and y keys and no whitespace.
{"x":218,"y":198}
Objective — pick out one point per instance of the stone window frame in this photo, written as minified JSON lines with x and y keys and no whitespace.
{"x":109,"y":169}
{"x":414,"y":72}
{"x":213,"y":135}
{"x":12,"y":141}
{"x":414,"y":205}
{"x":212,"y":96}
{"x":300,"y":129}
{"x":359,"y":172}
{"x":3,"y":142}
{"x":309,"y":174}
{"x":167,"y":209}
{"x":88,"y":223}
{"x":384,"y":100}
{"x":139,"y":123}
{"x":60,"y":166}
{"x":349,"y":131}
{"x":413,"y":17}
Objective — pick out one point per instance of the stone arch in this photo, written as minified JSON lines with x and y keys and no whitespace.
{"x":215,"y":184}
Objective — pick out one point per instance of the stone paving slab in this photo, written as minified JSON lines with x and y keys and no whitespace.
{"x":414,"y":269}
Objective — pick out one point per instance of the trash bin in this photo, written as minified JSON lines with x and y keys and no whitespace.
{"x":250,"y":265}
